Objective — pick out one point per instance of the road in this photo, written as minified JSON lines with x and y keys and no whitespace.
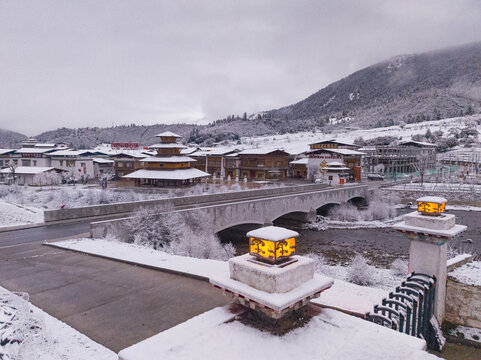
{"x":113,"y":303}
{"x":58,"y":231}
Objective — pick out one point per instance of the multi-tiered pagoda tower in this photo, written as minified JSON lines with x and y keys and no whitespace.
{"x":168,"y":167}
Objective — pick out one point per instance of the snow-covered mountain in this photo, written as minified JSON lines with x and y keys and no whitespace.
{"x":10,"y":139}
{"x":411,"y":88}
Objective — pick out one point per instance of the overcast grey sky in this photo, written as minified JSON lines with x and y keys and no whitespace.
{"x":98,"y":63}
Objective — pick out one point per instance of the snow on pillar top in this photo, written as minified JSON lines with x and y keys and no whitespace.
{"x":273,"y":233}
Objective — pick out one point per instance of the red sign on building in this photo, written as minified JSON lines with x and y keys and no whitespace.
{"x":124,"y":146}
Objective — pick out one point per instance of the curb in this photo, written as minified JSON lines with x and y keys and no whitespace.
{"x":21,"y":227}
{"x":151,"y":267}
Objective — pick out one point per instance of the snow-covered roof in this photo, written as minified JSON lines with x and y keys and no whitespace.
{"x":35,"y":150}
{"x":103,"y":161}
{"x":260,"y":151}
{"x":212,"y":152}
{"x":335,"y":163}
{"x":168,"y":159}
{"x":130,"y":153}
{"x":72,"y":152}
{"x":338,"y":151}
{"x":28,"y":170}
{"x":42,"y":145}
{"x":189,"y":150}
{"x":178,"y":174}
{"x":331,"y":168}
{"x":302,"y":161}
{"x":432,"y":199}
{"x":168,"y":134}
{"x":417,"y":143}
{"x":6,"y":151}
{"x":297,"y":149}
{"x":166,"y":146}
{"x":272,"y":233}
{"x":333,"y":141}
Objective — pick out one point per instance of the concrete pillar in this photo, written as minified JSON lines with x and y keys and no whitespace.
{"x":428,"y":247}
{"x":222,"y":168}
{"x":311,"y":216}
{"x":431,"y":259}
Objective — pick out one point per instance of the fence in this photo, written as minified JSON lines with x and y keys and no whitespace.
{"x":409,"y":309}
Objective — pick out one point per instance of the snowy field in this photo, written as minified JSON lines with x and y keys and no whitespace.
{"x":330,"y":335}
{"x":55,"y":197}
{"x":303,"y":139}
{"x":27,"y":332}
{"x":13,"y":214}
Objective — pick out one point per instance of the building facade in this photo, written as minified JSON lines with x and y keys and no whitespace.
{"x":394,"y":160}
{"x":263,"y":164}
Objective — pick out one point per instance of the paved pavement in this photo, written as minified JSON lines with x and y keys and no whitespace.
{"x":113,"y":303}
{"x":23,"y":236}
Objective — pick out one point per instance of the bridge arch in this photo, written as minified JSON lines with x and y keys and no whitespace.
{"x":294,"y":218}
{"x":324,"y":210}
{"x":358,"y":201}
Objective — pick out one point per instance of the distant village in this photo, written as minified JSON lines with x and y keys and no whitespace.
{"x":169,"y":163}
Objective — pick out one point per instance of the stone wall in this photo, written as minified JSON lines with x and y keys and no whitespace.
{"x":463,"y":304}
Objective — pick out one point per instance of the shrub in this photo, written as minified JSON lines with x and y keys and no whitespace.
{"x":360,"y":272}
{"x":399,"y":267}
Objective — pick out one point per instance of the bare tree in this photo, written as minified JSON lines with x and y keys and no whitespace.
{"x":12,"y":166}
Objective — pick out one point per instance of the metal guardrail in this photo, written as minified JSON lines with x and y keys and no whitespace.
{"x":410,"y":309}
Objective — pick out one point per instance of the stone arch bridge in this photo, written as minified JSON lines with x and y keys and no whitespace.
{"x":263,"y":211}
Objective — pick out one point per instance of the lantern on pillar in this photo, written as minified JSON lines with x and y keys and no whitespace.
{"x":272,"y":244}
{"x":431,"y":205}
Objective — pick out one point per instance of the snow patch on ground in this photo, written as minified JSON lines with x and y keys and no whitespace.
{"x":329,"y":335}
{"x":438,"y":187}
{"x":42,"y":336}
{"x":146,"y":256}
{"x":469,"y":333}
{"x":12,"y":214}
{"x":469,"y":273}
{"x":323,"y":224}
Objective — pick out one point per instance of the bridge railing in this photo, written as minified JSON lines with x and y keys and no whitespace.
{"x":122,"y":209}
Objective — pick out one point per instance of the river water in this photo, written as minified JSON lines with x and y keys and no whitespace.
{"x":381,"y":246}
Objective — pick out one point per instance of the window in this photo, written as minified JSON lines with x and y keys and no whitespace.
{"x":60,"y":162}
{"x":25,"y":162}
{"x":34,"y":162}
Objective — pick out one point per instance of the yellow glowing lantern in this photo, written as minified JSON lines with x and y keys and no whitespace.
{"x":431,"y":205}
{"x":272,"y":244}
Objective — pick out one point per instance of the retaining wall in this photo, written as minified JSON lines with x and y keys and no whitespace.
{"x":463,"y":304}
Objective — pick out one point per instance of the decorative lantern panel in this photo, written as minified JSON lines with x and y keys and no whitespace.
{"x":272,"y":244}
{"x":431,"y":205}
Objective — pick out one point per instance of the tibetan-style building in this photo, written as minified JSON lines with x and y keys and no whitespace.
{"x":168,"y":167}
{"x":325,"y":152}
{"x":263,"y":164}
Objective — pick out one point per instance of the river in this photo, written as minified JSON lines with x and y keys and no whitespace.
{"x":381,"y":246}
